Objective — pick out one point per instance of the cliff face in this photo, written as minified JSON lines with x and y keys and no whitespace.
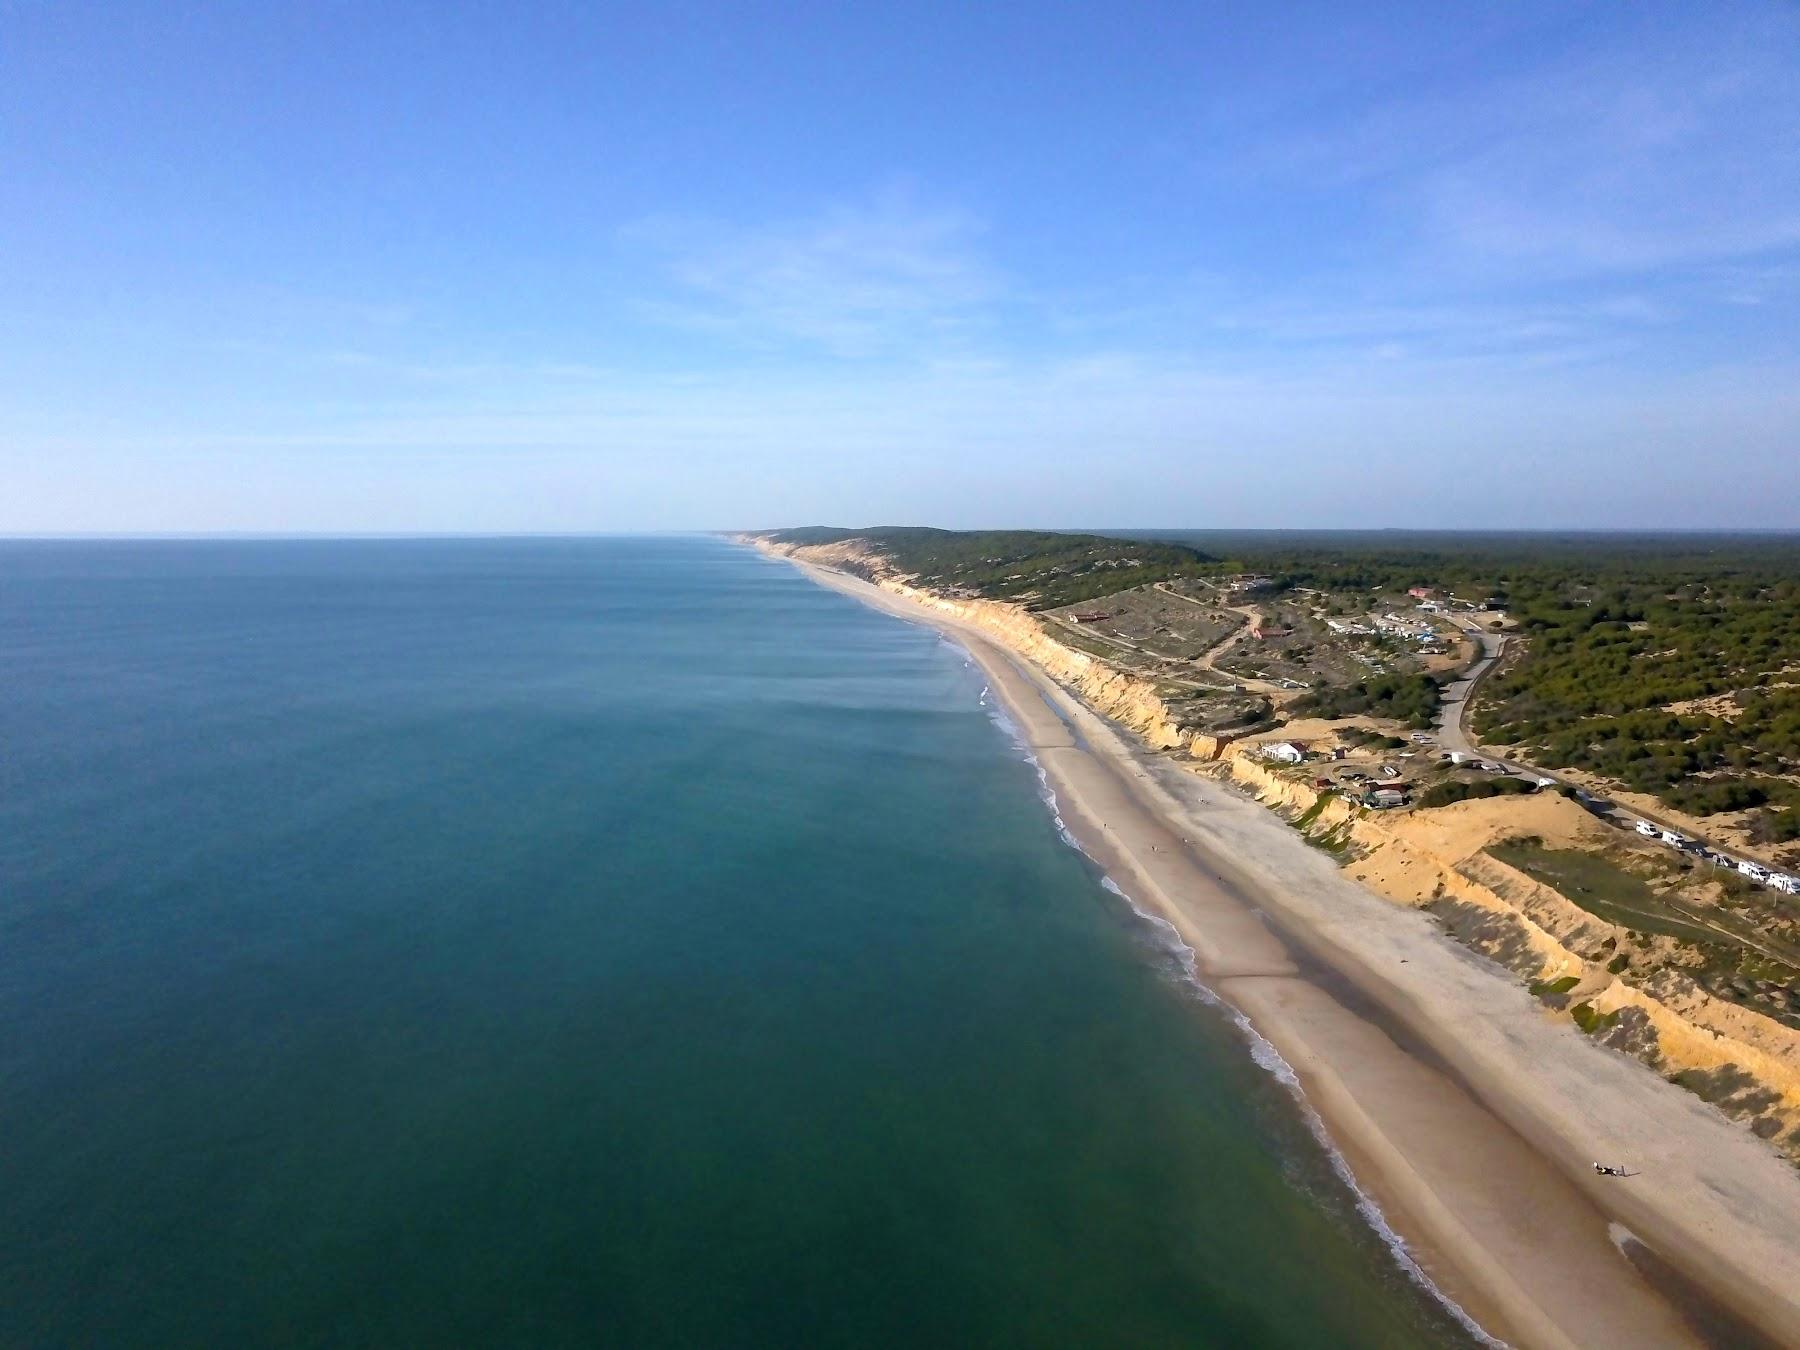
{"x":1745,"y":1063}
{"x":1125,"y":698}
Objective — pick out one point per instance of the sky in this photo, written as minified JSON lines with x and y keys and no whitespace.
{"x":346,"y":267}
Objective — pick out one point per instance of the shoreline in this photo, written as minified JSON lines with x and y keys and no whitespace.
{"x":1427,"y":1088}
{"x":1264,"y":1054}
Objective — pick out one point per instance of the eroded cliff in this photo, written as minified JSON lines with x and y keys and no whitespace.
{"x":1745,"y":1063}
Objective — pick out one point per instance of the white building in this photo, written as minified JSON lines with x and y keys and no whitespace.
{"x":1282,"y":752}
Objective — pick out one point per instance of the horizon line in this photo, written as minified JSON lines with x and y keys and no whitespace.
{"x":329,"y":535}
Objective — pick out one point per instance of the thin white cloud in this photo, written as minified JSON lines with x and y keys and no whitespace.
{"x":862,"y":279}
{"x":1673,"y":145}
{"x":1109,"y":438}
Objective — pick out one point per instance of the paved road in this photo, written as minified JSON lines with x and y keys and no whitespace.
{"x":1453,"y":704}
{"x":1453,"y":733}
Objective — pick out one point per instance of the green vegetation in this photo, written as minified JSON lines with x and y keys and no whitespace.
{"x":1373,"y":739}
{"x":1617,"y":628}
{"x":1037,"y":568}
{"x":1092,"y":646}
{"x":1335,"y":840}
{"x":1308,"y":816}
{"x":1593,"y":1022}
{"x":1777,"y":827}
{"x":1411,"y":699}
{"x":1667,"y":663}
{"x":1603,"y":888}
{"x":1444,"y":794}
{"x":1542,"y":988}
{"x":1606,"y":659}
{"x":1727,"y":946}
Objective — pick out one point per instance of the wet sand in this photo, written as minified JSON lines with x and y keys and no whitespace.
{"x":1469,"y":1117}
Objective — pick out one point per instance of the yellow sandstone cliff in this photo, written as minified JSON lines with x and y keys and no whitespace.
{"x":1746,"y":1063}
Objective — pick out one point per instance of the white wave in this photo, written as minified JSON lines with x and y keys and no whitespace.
{"x":1266,"y":1057}
{"x":997,"y":714}
{"x":1262,"y":1052}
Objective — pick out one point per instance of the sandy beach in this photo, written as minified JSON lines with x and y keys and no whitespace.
{"x":1465,"y":1114}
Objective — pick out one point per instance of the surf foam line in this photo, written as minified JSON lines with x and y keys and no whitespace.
{"x":1262,"y":1052}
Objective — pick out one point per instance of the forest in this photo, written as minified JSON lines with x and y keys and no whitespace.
{"x":1669,"y":663}
{"x":1411,"y":699}
{"x":1037,"y":568}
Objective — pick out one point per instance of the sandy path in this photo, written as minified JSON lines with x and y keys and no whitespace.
{"x":1469,"y":1116}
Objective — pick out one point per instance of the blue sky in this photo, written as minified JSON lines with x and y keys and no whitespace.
{"x":585,"y":267}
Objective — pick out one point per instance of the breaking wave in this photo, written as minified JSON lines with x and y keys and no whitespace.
{"x":1262,"y":1052}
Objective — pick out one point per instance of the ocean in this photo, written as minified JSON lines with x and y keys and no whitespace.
{"x":603,"y":942}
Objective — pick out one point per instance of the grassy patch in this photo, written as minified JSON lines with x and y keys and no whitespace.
{"x":1335,"y":841}
{"x":1593,"y":1022}
{"x":1104,"y":650}
{"x":1541,"y":988}
{"x":1602,"y":888}
{"x":1308,"y":816}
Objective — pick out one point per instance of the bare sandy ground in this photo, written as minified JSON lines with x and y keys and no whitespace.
{"x":1470,"y":1117}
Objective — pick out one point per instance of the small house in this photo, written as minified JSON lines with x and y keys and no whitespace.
{"x":1283,"y":752}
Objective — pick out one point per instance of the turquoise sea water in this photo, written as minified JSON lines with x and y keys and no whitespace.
{"x":592,"y":942}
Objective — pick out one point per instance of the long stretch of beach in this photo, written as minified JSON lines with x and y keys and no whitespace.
{"x":1470,"y":1119}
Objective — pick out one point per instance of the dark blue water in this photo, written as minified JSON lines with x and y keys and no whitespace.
{"x":591,"y":942}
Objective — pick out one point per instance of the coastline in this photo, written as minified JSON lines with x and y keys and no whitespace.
{"x":1467,"y":1119}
